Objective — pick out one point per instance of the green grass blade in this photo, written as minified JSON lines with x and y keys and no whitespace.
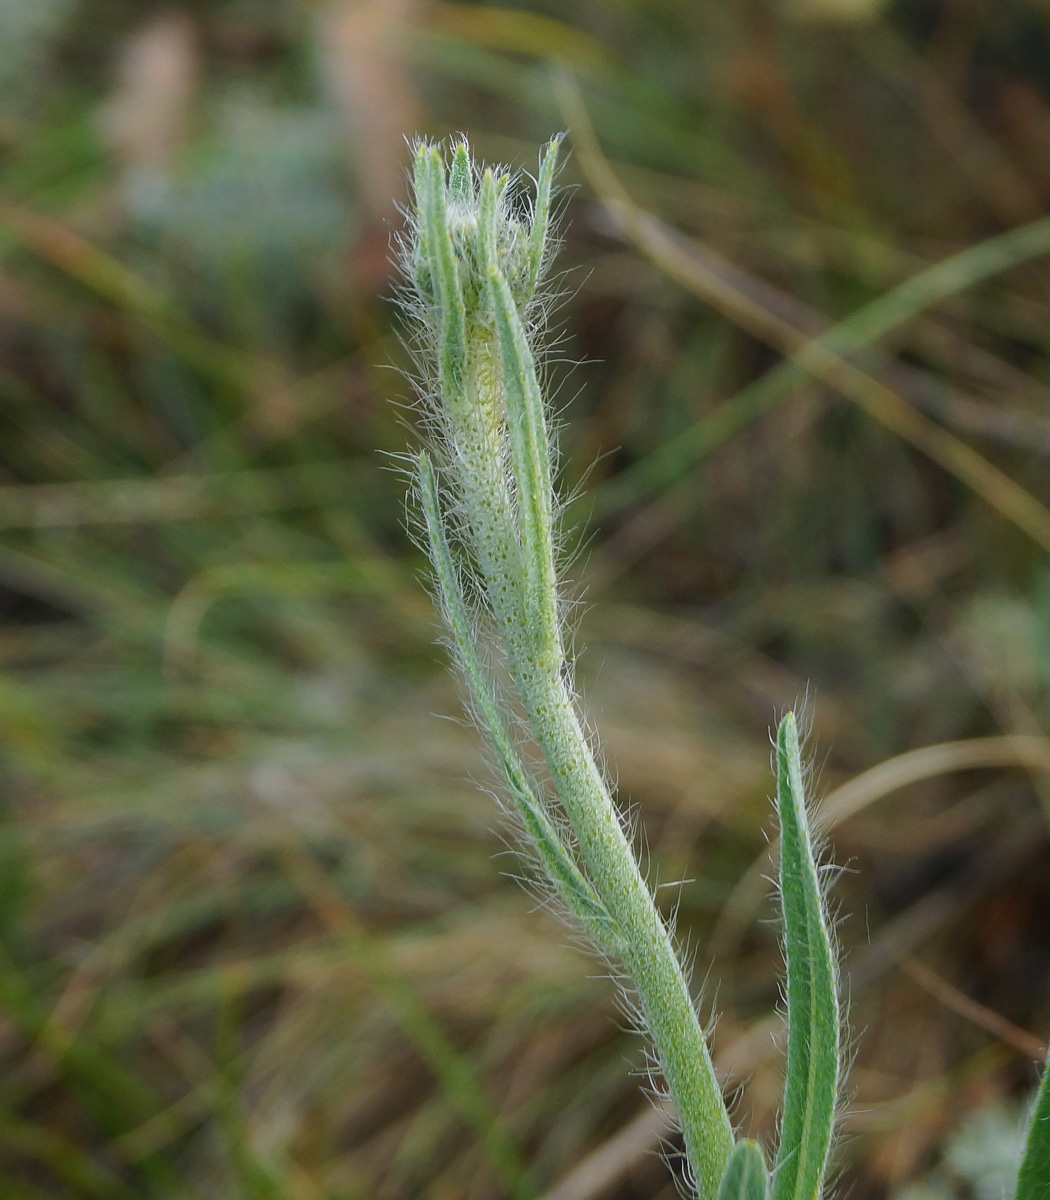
{"x":746,"y":1176}
{"x":811,"y":1085}
{"x":1033,"y":1181}
{"x":113,"y":1097}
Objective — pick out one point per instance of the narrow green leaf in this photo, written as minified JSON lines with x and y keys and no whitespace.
{"x":812,"y":1078}
{"x":573,"y":888}
{"x":526,"y":423}
{"x":1033,"y":1181}
{"x":746,"y":1176}
{"x":421,"y":274}
{"x":488,"y":215}
{"x":436,"y":244}
{"x":541,"y":216}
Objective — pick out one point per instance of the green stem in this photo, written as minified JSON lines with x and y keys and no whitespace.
{"x":475,"y":268}
{"x":647,"y":951}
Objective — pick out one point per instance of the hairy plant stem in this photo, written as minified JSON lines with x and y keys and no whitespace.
{"x":472,"y":267}
{"x":475,"y":269}
{"x":529,"y":624}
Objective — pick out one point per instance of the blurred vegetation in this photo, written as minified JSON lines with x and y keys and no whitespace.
{"x":258,"y":933}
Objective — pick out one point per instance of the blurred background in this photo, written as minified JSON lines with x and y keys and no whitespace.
{"x":259,"y":932}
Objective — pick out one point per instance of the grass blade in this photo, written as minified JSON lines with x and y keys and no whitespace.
{"x":811,"y":1085}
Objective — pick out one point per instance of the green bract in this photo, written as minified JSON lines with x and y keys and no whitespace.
{"x":474,"y":259}
{"x":746,"y":1177}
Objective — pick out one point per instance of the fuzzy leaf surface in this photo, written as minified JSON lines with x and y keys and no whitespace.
{"x":746,"y":1176}
{"x":556,"y":858}
{"x":812,"y":1077}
